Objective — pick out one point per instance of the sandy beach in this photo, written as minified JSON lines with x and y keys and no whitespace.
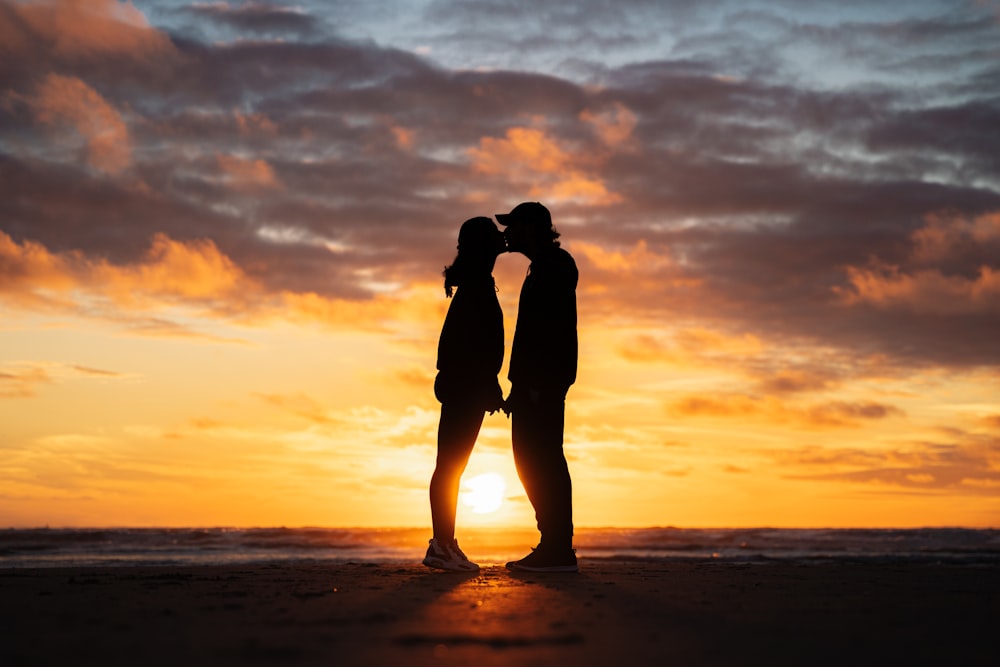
{"x":681,"y":613}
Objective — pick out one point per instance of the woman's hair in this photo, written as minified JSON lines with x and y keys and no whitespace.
{"x":476,"y":247}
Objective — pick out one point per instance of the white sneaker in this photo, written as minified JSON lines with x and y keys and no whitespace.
{"x":448,"y":557}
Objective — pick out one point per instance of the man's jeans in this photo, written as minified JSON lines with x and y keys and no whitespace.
{"x":537,"y":434}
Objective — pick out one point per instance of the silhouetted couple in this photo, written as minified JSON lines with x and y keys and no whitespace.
{"x":542,"y":368}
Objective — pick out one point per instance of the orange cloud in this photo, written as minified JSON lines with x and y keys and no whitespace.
{"x":615,"y":276}
{"x":637,"y":260}
{"x":943,"y":235}
{"x":522,"y":146}
{"x":22,"y":383}
{"x":932,"y":290}
{"x":254,"y":123}
{"x":30,"y":263}
{"x":195,"y":270}
{"x":246,"y":173}
{"x":614,"y":127}
{"x":964,"y":466}
{"x":73,"y":28}
{"x":195,"y":274}
{"x":794,"y":381}
{"x":171,"y":271}
{"x":926,"y":291}
{"x":301,"y":405}
{"x":834,"y":414}
{"x":529,"y":152}
{"x":689,"y":345}
{"x":645,"y":348}
{"x":404,"y":137}
{"x":22,"y":380}
{"x":64,"y":100}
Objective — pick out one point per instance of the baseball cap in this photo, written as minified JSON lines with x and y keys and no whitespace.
{"x":530,"y":212}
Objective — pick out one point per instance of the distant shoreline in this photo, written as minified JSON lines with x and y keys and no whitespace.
{"x":136,"y":547}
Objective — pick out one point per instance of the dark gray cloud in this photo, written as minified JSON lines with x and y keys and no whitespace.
{"x":258,"y":18}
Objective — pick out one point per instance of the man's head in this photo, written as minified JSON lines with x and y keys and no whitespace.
{"x":528,"y":228}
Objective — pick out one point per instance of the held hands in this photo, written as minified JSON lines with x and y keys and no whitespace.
{"x":497,"y":402}
{"x":533,"y":396}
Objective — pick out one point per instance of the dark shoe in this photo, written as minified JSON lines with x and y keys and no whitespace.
{"x":546,"y":560}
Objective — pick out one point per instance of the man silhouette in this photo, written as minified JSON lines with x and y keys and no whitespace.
{"x":542,"y":367}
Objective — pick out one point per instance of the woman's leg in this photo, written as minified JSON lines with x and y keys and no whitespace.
{"x":457,"y":433}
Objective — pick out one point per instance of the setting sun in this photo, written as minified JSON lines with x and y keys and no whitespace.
{"x":484,"y":493}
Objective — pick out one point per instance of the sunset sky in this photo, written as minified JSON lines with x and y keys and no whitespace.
{"x":223,"y":225}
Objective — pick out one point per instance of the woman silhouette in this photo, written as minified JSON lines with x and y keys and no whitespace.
{"x":470,"y":353}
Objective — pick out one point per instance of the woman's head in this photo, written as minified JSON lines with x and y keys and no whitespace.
{"x":479,"y":244}
{"x":480,"y":237}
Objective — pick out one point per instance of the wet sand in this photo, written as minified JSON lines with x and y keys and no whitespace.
{"x":612,"y":613}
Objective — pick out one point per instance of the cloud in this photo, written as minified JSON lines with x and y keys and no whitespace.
{"x":60,"y":101}
{"x":738,"y":196}
{"x":967,"y":467}
{"x":415,"y":377}
{"x":254,"y":123}
{"x":195,"y":276}
{"x":831,"y":414}
{"x":793,"y":381}
{"x":257,"y":17}
{"x":96,"y":372}
{"x":924,"y":292}
{"x":246,"y":173}
{"x":528,"y":153}
{"x":634,"y":262}
{"x":950,"y":272}
{"x":613,"y":126}
{"x":67,"y":29}
{"x":24,"y":382}
{"x":171,"y":271}
{"x":404,"y":137}
{"x":693,"y":346}
{"x":302,"y":406}
{"x":952,"y":269}
{"x":25,"y":379}
{"x":945,"y":238}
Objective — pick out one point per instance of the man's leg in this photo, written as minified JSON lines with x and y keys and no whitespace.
{"x":537,"y":436}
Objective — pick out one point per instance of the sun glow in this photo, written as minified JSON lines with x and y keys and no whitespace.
{"x":484,"y":493}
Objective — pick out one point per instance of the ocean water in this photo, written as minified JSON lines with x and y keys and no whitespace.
{"x":44,"y":547}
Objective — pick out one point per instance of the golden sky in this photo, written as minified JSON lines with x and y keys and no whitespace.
{"x":222,"y":227}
